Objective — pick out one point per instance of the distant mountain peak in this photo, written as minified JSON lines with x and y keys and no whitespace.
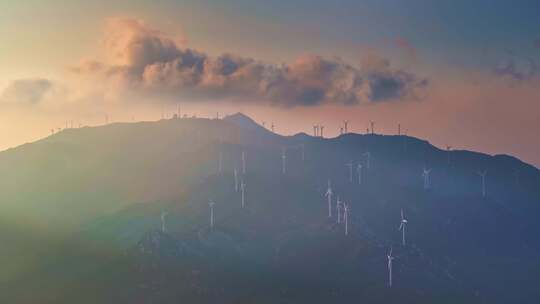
{"x":239,"y":117}
{"x":243,"y":121}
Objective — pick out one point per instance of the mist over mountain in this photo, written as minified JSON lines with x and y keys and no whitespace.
{"x":81,"y":215}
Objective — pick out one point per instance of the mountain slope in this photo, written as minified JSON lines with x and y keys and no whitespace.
{"x":94,"y":196}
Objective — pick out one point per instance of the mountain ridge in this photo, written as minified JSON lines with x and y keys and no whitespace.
{"x":102,"y":190}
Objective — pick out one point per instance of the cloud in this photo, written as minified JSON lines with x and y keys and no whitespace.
{"x":517,"y":70}
{"x":145,"y":59}
{"x":28,"y":91}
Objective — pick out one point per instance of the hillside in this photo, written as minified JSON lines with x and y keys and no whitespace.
{"x":80,"y":212}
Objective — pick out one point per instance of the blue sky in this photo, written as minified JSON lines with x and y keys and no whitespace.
{"x":471,"y":33}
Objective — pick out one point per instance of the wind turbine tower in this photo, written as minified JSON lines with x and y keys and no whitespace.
{"x":329,"y":196}
{"x":350,"y":165}
{"x":346,"y":126}
{"x":425,"y":174}
{"x":346,"y":217}
{"x":483,"y":176}
{"x":211,"y":204}
{"x":368,"y":159}
{"x":359,"y":172}
{"x":338,"y":208}
{"x":243,"y":162}
{"x":283,"y":160}
{"x":390,"y":258}
{"x":448,"y":148}
{"x":220,"y":162}
{"x":235,"y":179}
{"x":243,"y":190}
{"x":322,"y":129}
{"x":372,"y":124}
{"x":163,"y":215}
{"x":402,"y":227}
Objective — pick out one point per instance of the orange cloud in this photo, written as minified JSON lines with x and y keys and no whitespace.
{"x":145,"y":59}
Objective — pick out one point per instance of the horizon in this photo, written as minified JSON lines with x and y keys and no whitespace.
{"x":222,"y":116}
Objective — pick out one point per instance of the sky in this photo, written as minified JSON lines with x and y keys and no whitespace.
{"x":459,"y":73}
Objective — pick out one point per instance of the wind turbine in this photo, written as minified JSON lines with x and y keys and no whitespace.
{"x":402,"y":226}
{"x":338,"y":207}
{"x":283,"y":160}
{"x":243,"y":190}
{"x":220,"y":161}
{"x":322,"y":129}
{"x":235,"y":179}
{"x":211,"y":204}
{"x":448,"y":148}
{"x":329,"y":196}
{"x":243,"y":162}
{"x":425,"y":174}
{"x":390,"y":258}
{"x":398,"y":129}
{"x":359,"y":172}
{"x":368,"y":159}
{"x":483,"y":176}
{"x":346,"y":126}
{"x":163,"y":215}
{"x":346,"y":217}
{"x":350,"y":165}
{"x":372,"y":124}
